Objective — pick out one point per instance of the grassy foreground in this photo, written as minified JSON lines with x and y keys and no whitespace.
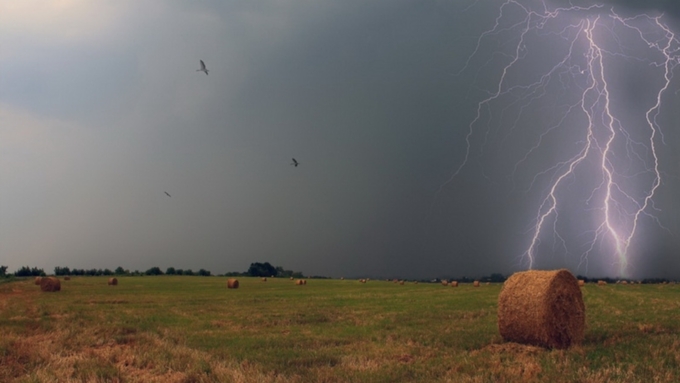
{"x":192,"y":329}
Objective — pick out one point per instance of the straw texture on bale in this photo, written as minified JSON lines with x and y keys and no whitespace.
{"x":542,"y":308}
{"x":454,"y":283}
{"x":113,"y":282}
{"x":37,"y":280}
{"x":581,"y":282}
{"x":50,"y":284}
{"x":475,"y":283}
{"x":232,"y":283}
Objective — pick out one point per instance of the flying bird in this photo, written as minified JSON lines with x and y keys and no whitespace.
{"x":202,"y":68}
{"x":295,"y":162}
{"x":166,"y":193}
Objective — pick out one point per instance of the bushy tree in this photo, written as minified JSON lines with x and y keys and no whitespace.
{"x":204,"y":273}
{"x":62,"y":271}
{"x":188,"y":272}
{"x":170,"y":271}
{"x":3,"y":271}
{"x":258,"y":269}
{"x":154,"y":271}
{"x":25,"y":271}
{"x":179,"y":272}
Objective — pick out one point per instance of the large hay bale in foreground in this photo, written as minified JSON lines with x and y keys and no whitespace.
{"x":50,"y":284}
{"x":542,"y":308}
{"x":232,"y":283}
{"x":37,"y":281}
{"x":113,"y":282}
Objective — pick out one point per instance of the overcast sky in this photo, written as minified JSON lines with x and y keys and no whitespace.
{"x":404,"y":170}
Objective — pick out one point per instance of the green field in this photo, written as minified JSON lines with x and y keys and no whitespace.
{"x":192,"y":329}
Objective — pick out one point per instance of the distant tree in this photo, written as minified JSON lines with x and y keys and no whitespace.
{"x":179,"y":272}
{"x":204,"y":273}
{"x":188,"y":272}
{"x":258,"y":269}
{"x":108,"y":272}
{"x":25,"y":271}
{"x":119,"y":270}
{"x":62,"y":271}
{"x":3,"y":271}
{"x":154,"y":271}
{"x":170,"y":271}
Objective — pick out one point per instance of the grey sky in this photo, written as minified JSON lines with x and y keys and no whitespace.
{"x":102,"y":111}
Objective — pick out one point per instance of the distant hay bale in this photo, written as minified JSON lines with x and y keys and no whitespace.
{"x":454,"y":283}
{"x":342,"y":278}
{"x":401,"y":282}
{"x":362,"y":280}
{"x":291,"y":278}
{"x":624,"y":282}
{"x":232,"y":283}
{"x":113,"y":282}
{"x":67,"y":278}
{"x":415,"y":282}
{"x":475,"y":283}
{"x":304,"y":281}
{"x":273,"y":276}
{"x":487,"y":283}
{"x":50,"y":284}
{"x":264,"y":279}
{"x":542,"y":308}
{"x":37,"y":280}
{"x":301,"y":282}
{"x":581,"y":283}
{"x":395,"y":280}
{"x":601,"y":283}
{"x":445,"y":283}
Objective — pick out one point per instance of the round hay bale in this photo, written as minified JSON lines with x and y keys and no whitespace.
{"x":581,"y":283}
{"x":299,"y":282}
{"x":232,"y":283}
{"x":113,"y":282}
{"x":37,"y":281}
{"x":67,"y":278}
{"x":342,"y":278}
{"x":362,"y":280}
{"x":395,"y":280}
{"x":304,"y":281}
{"x":445,"y":283}
{"x":264,"y":279}
{"x":291,"y":278}
{"x":401,"y":283}
{"x":542,"y":308}
{"x":624,"y":282}
{"x":475,"y":283}
{"x":415,"y":283}
{"x":601,"y":283}
{"x":454,"y":283}
{"x":50,"y":284}
{"x":487,"y":283}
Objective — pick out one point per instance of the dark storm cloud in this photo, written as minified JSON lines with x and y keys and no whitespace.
{"x":365,"y":95}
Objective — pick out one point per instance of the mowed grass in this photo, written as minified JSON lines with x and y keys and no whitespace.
{"x":192,"y":329}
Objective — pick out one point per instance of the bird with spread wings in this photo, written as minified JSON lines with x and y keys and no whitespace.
{"x":295,"y":163}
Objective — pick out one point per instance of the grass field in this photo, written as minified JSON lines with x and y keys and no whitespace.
{"x":192,"y":329}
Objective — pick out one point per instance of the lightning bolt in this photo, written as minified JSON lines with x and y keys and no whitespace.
{"x":616,"y":154}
